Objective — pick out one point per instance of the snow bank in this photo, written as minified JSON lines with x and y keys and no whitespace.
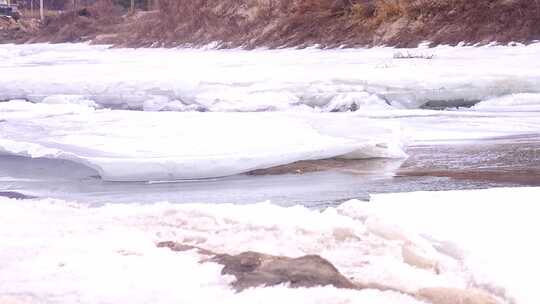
{"x":141,"y":146}
{"x":498,"y":228}
{"x":62,"y":252}
{"x":267,"y":80}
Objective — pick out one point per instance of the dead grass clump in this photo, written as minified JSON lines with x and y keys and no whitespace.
{"x":301,"y":23}
{"x":106,"y":12}
{"x":420,"y":8}
{"x":362,"y":11}
{"x":79,"y":25}
{"x":313,"y":6}
{"x":388,"y":10}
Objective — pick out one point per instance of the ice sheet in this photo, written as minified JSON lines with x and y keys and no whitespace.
{"x":142,"y":146}
{"x":263,"y":80}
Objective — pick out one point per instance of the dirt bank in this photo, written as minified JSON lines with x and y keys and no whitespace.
{"x":297,"y":23}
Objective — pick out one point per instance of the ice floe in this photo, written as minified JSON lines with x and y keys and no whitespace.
{"x":267,"y":80}
{"x":143,"y":146}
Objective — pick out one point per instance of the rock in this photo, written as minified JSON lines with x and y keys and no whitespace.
{"x":253,"y":269}
{"x":455,"y":296}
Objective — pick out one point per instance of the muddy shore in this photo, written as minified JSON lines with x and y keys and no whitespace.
{"x":512,"y":160}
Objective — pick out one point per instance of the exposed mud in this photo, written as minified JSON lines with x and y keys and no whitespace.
{"x":507,"y":160}
{"x":357,"y":167}
{"x":514,"y":160}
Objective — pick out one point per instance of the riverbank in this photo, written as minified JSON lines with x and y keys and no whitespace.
{"x":299,"y":23}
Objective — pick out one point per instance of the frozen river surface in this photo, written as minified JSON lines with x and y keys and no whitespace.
{"x":106,"y":144}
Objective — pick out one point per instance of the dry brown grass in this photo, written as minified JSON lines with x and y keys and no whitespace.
{"x":301,"y":23}
{"x":361,"y":11}
{"x":273,"y":23}
{"x":29,"y":14}
{"x":389,"y":9}
{"x":79,"y":25}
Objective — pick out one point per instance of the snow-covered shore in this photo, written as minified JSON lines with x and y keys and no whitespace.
{"x":61,"y":252}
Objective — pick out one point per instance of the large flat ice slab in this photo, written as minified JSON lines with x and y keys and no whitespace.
{"x":263,"y":80}
{"x":142,"y":146}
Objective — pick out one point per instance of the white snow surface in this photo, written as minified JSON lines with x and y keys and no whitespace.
{"x":496,"y":227}
{"x":61,"y":252}
{"x":157,"y":146}
{"x":266,"y":80}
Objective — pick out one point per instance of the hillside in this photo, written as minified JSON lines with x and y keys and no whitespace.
{"x":297,"y":23}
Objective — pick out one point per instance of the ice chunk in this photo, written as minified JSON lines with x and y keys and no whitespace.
{"x":135,"y":146}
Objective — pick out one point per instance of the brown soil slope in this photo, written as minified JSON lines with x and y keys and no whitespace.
{"x":299,"y":23}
